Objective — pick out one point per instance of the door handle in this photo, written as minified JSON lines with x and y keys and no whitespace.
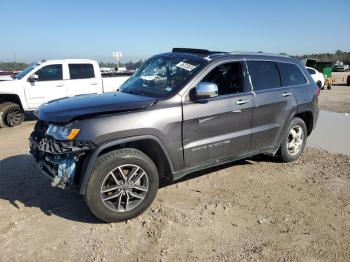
{"x":241,"y":102}
{"x":285,"y":94}
{"x":94,"y":83}
{"x":60,"y":85}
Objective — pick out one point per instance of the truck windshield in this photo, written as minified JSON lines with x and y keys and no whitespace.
{"x":163,"y":75}
{"x":25,"y":71}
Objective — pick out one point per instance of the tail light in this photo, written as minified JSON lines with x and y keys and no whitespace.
{"x":318,"y":91}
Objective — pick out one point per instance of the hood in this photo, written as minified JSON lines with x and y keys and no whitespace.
{"x":11,"y":87}
{"x":6,"y":78}
{"x":66,"y":109}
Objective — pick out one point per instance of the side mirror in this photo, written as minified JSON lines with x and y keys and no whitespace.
{"x":33,"y":78}
{"x":205,"y":90}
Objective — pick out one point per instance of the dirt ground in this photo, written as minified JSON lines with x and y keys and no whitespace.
{"x":253,"y":210}
{"x":338,"y":98}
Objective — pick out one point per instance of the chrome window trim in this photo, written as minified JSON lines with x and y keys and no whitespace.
{"x":275,"y":61}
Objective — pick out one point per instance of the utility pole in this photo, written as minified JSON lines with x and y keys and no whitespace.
{"x":117,"y":55}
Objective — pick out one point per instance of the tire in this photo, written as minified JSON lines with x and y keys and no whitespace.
{"x":285,"y":152}
{"x":319,"y":84}
{"x":12,"y":114}
{"x":125,"y":206}
{"x":348,"y":81}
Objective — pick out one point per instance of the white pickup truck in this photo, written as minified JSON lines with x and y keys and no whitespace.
{"x":49,"y":80}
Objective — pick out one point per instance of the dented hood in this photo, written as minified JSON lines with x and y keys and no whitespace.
{"x":66,"y":109}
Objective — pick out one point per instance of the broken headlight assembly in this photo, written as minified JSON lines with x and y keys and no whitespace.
{"x":62,"y":132}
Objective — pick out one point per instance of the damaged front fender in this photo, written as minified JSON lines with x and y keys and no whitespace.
{"x":59,"y":159}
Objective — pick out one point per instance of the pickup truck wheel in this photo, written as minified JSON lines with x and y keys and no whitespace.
{"x":123,"y":184}
{"x":294,"y":140}
{"x":12,"y":114}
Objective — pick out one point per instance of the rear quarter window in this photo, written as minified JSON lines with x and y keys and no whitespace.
{"x":291,"y":75}
{"x":264,"y":75}
{"x":81,"y":71}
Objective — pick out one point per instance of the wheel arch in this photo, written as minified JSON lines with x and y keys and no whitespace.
{"x":148,"y":144}
{"x":306,"y":116}
{"x":10,"y":98}
{"x":308,"y":119}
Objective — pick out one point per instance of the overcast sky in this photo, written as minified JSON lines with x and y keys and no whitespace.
{"x":33,"y":30}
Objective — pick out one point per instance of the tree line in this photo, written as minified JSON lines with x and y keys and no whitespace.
{"x":18,"y":66}
{"x":322,"y":57}
{"x":329,"y":57}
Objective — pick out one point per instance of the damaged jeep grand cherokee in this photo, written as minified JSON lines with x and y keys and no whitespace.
{"x":180,"y":112}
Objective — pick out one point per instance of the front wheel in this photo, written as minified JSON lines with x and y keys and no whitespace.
{"x":123,"y":184}
{"x":12,"y":114}
{"x":294,"y":140}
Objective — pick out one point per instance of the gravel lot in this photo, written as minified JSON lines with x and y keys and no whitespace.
{"x":256,"y":209}
{"x":336,"y":100}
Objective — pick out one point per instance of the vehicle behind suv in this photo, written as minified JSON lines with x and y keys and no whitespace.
{"x":317,"y":76}
{"x":48,"y":80}
{"x":180,"y":112}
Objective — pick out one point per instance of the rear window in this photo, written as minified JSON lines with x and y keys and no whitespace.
{"x":291,"y":74}
{"x":311,"y":71}
{"x":264,"y":75}
{"x":81,"y":71}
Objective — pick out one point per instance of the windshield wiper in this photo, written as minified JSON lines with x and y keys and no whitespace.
{"x":130,"y":92}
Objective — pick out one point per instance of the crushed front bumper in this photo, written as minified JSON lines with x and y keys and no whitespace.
{"x":60,"y":160}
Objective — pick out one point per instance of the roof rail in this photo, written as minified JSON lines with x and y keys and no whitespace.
{"x":257,"y":53}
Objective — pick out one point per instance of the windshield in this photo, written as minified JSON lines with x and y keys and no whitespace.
{"x":163,"y":75}
{"x":25,"y":71}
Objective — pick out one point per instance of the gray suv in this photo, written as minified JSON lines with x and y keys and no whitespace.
{"x":180,"y":112}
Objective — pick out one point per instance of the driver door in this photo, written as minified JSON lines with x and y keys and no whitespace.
{"x":48,"y":86}
{"x":220,"y":127}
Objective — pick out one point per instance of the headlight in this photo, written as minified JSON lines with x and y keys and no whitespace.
{"x":62,"y":132}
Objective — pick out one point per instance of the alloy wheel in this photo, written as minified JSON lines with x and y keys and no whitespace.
{"x":124,"y":188}
{"x":14,"y":117}
{"x":295,"y":140}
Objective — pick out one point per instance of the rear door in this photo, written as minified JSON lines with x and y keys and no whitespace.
{"x":49,"y":86}
{"x":273,"y":104}
{"x":219,"y":127}
{"x":83,"y":79}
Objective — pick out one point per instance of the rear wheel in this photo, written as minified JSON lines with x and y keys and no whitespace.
{"x":123,"y":184}
{"x":294,"y":140}
{"x":12,"y":114}
{"x":319,"y":84}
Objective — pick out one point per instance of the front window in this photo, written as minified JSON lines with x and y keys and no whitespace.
{"x":50,"y":73}
{"x":162,"y":76}
{"x":25,"y":71}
